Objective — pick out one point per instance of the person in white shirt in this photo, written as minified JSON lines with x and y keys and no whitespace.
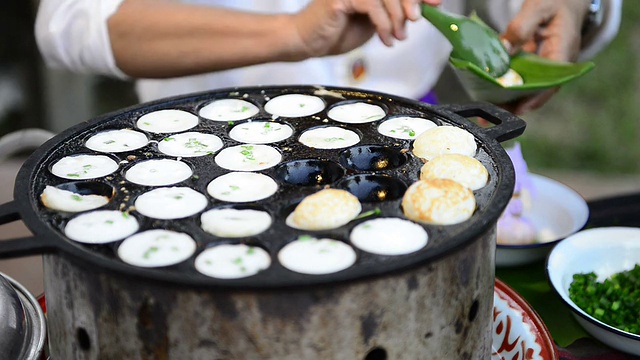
{"x":184,"y":46}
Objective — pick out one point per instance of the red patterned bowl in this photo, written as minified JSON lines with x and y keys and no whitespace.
{"x":518,"y":331}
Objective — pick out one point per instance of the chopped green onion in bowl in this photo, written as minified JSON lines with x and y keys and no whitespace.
{"x":614,"y":301}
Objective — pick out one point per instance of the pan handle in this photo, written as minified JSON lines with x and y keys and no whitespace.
{"x":25,"y":246}
{"x":507,"y":125}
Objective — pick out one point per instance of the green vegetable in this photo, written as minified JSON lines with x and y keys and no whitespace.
{"x":333,"y":139}
{"x":247,"y":152}
{"x":193,"y":143}
{"x":373,"y":212}
{"x":615,"y":301}
{"x":152,"y":249}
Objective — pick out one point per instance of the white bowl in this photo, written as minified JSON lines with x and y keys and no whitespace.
{"x":556,"y":209}
{"x":604,"y":251}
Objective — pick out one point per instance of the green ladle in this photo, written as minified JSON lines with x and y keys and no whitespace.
{"x":472,"y":40}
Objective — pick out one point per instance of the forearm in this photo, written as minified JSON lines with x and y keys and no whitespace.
{"x":154,"y":39}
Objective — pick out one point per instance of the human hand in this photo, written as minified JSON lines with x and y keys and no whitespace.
{"x":329,"y":27}
{"x":549,"y":28}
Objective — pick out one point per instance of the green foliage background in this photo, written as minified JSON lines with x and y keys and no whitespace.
{"x":593,"y":123}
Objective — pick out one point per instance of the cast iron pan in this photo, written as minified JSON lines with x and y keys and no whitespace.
{"x":47,"y":225}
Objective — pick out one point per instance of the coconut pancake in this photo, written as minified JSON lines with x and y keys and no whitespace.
{"x":405,"y":127}
{"x":260,"y":132}
{"x":229,"y":261}
{"x":389,"y":236}
{"x":158,"y":172}
{"x":356,"y":113}
{"x":83,"y":167}
{"x":242,"y":187}
{"x":308,"y":255}
{"x":444,"y":140}
{"x":190,"y":144}
{"x":294,"y":105}
{"x":101,"y":226}
{"x":324,"y":210}
{"x":167,"y":121}
{"x":233,"y":223}
{"x":438,"y":201}
{"x":228,"y":110}
{"x":248,"y":157}
{"x":114,"y":141}
{"x":329,"y":137}
{"x":65,"y":200}
{"x":157,"y":247}
{"x":466,"y":170}
{"x":170,"y":203}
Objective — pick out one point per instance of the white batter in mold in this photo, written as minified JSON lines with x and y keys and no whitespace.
{"x":101,"y":226}
{"x":405,"y":127}
{"x":170,"y":203}
{"x":260,"y":132}
{"x":158,"y":172}
{"x":248,"y":157}
{"x":228,"y":261}
{"x":329,"y":137}
{"x":157,"y":247}
{"x":228,"y":110}
{"x":83,"y":167}
{"x":190,"y":144}
{"x":234,"y":223}
{"x":389,"y":236}
{"x":65,"y":200}
{"x":294,"y":105}
{"x":309,"y":255}
{"x":242,"y":187}
{"x":356,"y":113}
{"x":114,"y":141}
{"x":167,"y":121}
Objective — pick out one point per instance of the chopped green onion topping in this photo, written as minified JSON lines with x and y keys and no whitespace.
{"x":247,"y":152}
{"x":613,"y":301}
{"x":152,"y":249}
{"x":373,"y":212}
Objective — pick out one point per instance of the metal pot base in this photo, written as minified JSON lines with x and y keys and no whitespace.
{"x":441,"y":310}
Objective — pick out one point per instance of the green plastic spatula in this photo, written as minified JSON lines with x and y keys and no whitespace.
{"x":472,"y":40}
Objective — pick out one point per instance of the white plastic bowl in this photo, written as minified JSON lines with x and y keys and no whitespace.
{"x":555,"y":208}
{"x":604,"y":251}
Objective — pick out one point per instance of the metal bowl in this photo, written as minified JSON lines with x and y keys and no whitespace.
{"x":22,"y":322}
{"x":604,"y":251}
{"x":557,"y":211}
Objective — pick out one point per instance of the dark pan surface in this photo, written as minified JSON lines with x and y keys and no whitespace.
{"x":345,"y":170}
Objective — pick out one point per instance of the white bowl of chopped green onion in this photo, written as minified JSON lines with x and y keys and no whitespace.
{"x":596,"y":272}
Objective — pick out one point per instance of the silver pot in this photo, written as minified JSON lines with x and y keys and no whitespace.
{"x":22,"y":322}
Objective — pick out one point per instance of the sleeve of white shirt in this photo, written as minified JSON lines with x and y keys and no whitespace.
{"x":499,"y":12}
{"x":73,"y":35}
